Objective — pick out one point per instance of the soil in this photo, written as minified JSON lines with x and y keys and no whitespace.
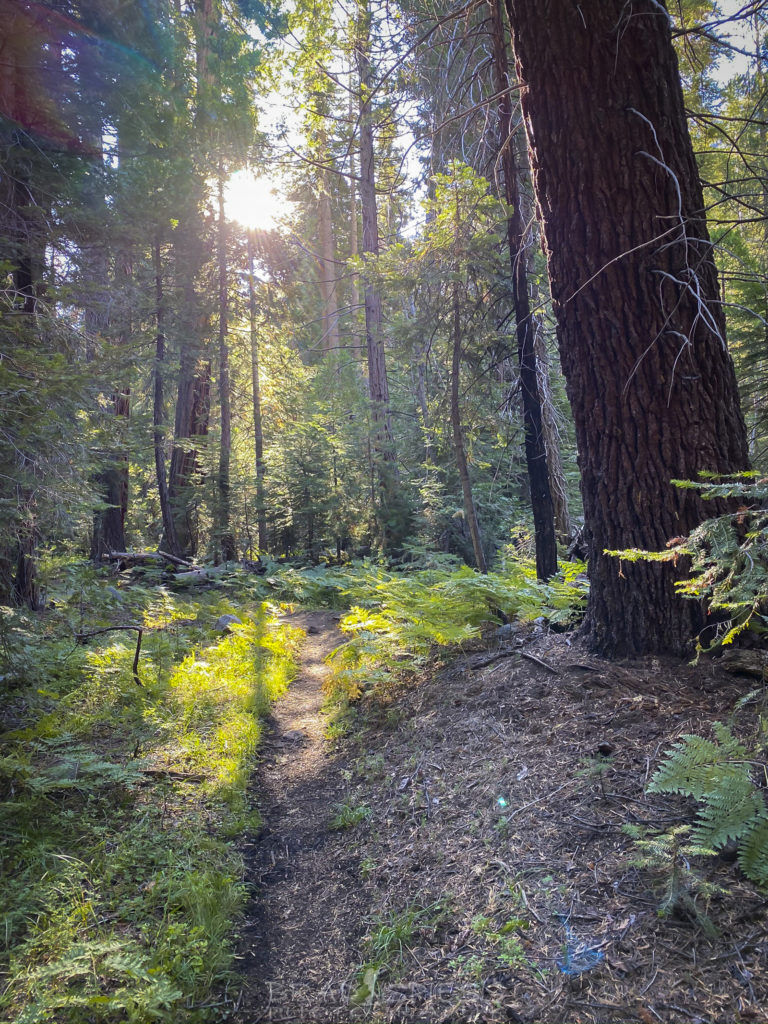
{"x":487,"y":876}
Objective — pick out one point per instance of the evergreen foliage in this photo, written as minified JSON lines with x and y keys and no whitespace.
{"x":728,"y":558}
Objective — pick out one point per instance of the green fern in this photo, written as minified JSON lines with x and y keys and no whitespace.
{"x":728,"y":557}
{"x":718,"y":774}
{"x":753,"y":852}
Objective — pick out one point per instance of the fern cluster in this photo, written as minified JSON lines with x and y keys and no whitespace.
{"x":720,"y":775}
{"x":729,"y":555}
{"x":397,"y":618}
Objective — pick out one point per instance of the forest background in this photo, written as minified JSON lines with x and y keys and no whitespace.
{"x":348,"y":381}
{"x":215,"y":398}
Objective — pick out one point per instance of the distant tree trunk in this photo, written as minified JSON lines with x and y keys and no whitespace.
{"x":634,"y":288}
{"x":327,"y":262}
{"x":112,"y":478}
{"x":421,"y":395}
{"x":378,"y":387}
{"x":354,"y":244}
{"x":557,"y":483}
{"x":224,"y":526}
{"x":470,"y":513}
{"x":158,"y":408}
{"x":535,"y":449}
{"x":258,"y":434}
{"x":193,"y":395}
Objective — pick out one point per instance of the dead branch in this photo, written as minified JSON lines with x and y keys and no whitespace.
{"x":139,"y":630}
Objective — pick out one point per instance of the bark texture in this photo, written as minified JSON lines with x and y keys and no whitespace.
{"x":635,"y":292}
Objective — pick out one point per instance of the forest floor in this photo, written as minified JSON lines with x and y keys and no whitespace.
{"x":458,"y":856}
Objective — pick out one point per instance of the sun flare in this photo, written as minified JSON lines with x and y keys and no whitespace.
{"x":254,"y":202}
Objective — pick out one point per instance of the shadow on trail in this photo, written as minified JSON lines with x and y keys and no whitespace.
{"x":299,"y":946}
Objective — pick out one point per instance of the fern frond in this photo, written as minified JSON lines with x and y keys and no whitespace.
{"x":699,"y":767}
{"x":729,"y":814}
{"x":753,"y":851}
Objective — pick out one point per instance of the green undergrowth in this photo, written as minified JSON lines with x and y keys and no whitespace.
{"x":726,"y":558}
{"x":398,"y":620}
{"x":121,"y":889}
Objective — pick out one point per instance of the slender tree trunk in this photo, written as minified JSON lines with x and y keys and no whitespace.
{"x":421,"y":395}
{"x":378,"y":387}
{"x":470,"y":512}
{"x":327,"y":261}
{"x":354,"y":244}
{"x":551,"y":433}
{"x":158,"y":408}
{"x":193,"y":394}
{"x":99,"y":297}
{"x":535,"y":449}
{"x":635,"y":292}
{"x":258,"y":434}
{"x":224,"y":525}
{"x":112,"y":479}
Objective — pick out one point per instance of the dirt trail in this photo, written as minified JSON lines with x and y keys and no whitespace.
{"x":299,"y":946}
{"x":494,"y":851}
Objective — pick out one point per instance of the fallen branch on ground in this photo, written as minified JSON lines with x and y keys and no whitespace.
{"x":139,"y":630}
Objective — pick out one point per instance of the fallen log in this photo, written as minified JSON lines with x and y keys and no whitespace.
{"x":204,"y":575}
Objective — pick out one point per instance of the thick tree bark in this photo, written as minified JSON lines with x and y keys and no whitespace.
{"x":258,"y":432}
{"x":354,"y":244}
{"x":535,"y":449}
{"x":470,"y":512}
{"x":635,"y":292}
{"x":224,"y":525}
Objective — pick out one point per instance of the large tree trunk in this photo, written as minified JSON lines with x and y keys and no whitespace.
{"x":354,"y":246}
{"x":224,"y":525}
{"x":535,"y":450}
{"x":635,"y":292}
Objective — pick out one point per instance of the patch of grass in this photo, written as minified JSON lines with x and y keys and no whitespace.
{"x":502,"y":939}
{"x":367,"y":867}
{"x":390,"y":940}
{"x":348,"y":815}
{"x":121,"y":892}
